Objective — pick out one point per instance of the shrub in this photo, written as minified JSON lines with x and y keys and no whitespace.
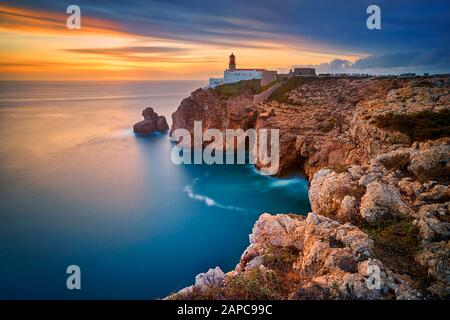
{"x":238,"y":88}
{"x":254,"y":285}
{"x":326,"y":126}
{"x":281,"y":94}
{"x":396,"y":243}
{"x":280,"y":258}
{"x":356,"y":190}
{"x":397,"y":162}
{"x":340,"y":99}
{"x":440,"y":174}
{"x":339,"y":168}
{"x":418,"y":126}
{"x":209,"y":293}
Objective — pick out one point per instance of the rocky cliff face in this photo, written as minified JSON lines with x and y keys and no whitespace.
{"x":215,"y":111}
{"x":328,"y":121}
{"x":376,"y":152}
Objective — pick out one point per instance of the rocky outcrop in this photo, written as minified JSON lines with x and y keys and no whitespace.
{"x":329,"y":260}
{"x":379,"y":195}
{"x":152,"y":122}
{"x":328,"y":122}
{"x":436,"y":258}
{"x":382,"y":201}
{"x":396,"y":201}
{"x":402,"y":98}
{"x":214,"y":111}
{"x":337,"y":193}
{"x":213,"y":278}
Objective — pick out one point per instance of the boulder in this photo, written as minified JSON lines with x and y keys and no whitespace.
{"x":381,"y":200}
{"x":432,"y":221}
{"x":337,"y":194}
{"x":333,"y":258}
{"x":152,"y":122}
{"x":213,"y":277}
{"x":436,"y":258}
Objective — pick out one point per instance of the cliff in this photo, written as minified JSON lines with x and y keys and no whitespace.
{"x":376,"y":152}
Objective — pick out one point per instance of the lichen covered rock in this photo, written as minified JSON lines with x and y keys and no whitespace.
{"x":328,"y":260}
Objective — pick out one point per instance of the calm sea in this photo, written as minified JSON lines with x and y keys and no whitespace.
{"x":78,"y":187}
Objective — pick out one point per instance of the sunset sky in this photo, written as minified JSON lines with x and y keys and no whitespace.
{"x":161,"y":40}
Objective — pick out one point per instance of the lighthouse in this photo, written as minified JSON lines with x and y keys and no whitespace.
{"x":232,"y":64}
{"x":233,"y":74}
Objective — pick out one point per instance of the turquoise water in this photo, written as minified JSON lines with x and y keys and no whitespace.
{"x":78,"y":187}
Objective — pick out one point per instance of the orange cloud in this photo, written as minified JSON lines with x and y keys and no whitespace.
{"x":14,"y":19}
{"x":37,"y":45}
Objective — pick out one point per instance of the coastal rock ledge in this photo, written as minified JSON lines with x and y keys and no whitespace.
{"x":293,"y":257}
{"x":376,"y":152}
{"x":152,"y":122}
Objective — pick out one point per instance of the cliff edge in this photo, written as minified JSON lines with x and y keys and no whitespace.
{"x":376,"y":152}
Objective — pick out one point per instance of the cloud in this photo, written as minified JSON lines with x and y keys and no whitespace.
{"x":128,"y":50}
{"x":145,"y":54}
{"x":406,"y":24}
{"x":336,"y":65}
{"x":129,"y":35}
{"x":437,"y":61}
{"x":405,"y":59}
{"x":47,"y":21}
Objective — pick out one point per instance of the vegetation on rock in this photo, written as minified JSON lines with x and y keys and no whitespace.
{"x":238,"y":88}
{"x":376,"y":152}
{"x":281,"y":94}
{"x":418,"y":126}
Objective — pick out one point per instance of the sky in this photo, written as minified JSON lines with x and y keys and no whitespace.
{"x":176,"y":40}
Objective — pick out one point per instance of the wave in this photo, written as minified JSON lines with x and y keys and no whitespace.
{"x":207,"y":200}
{"x":280,"y":183}
{"x":276,"y":182}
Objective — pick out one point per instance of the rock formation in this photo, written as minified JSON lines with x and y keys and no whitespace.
{"x":151,"y":123}
{"x":377,"y":154}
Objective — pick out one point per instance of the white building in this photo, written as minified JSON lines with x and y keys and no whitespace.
{"x":232,"y":75}
{"x":214,"y":82}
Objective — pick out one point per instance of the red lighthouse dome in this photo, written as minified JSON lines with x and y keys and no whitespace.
{"x":232,"y":64}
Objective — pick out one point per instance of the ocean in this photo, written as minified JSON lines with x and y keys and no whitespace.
{"x":77,"y":187}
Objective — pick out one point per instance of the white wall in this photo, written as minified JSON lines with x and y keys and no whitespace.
{"x":238,"y":75}
{"x":235,"y":76}
{"x":214,"y":82}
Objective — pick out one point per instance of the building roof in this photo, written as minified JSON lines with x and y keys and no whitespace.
{"x":250,"y":69}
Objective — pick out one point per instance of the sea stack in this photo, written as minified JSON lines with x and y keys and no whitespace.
{"x":152,"y":122}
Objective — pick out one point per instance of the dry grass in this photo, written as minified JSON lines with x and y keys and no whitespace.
{"x":255,"y":285}
{"x":396,"y":242}
{"x":282,"y":93}
{"x":242,"y":87}
{"x":440,"y":174}
{"x":280,"y":258}
{"x":419,"y":126}
{"x":398,"y":162}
